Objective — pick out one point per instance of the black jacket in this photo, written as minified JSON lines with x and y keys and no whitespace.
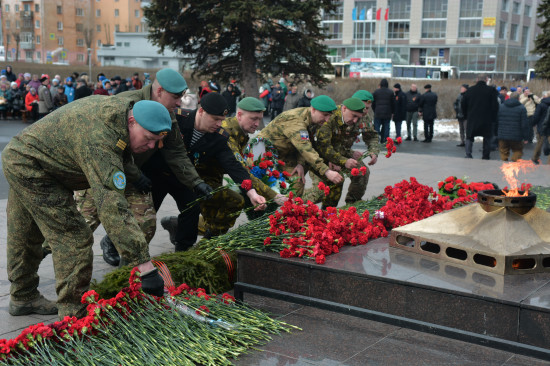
{"x":480,"y":107}
{"x":383,"y":104}
{"x":540,"y":115}
{"x":512,"y":121}
{"x":412,"y":100}
{"x":231,"y":98}
{"x":427,"y":105}
{"x":82,"y":92}
{"x":458,"y":106}
{"x":400,"y":112}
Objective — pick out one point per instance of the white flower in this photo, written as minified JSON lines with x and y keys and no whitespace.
{"x":379,"y":215}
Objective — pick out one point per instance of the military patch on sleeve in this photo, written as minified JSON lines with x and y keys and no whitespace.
{"x":121,"y":144}
{"x":239,"y":157}
{"x":119,"y":180}
{"x":304,"y":135}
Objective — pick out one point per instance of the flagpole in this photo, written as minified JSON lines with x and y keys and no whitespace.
{"x":364,"y":32}
{"x":370,"y":34}
{"x":387,"y":28}
{"x":379,"y":33}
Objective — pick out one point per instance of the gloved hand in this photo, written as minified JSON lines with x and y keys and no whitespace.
{"x":143,"y":184}
{"x":203,"y":190}
{"x":152,"y":283}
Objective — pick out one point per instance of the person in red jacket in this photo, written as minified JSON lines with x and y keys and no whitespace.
{"x":31,"y":103}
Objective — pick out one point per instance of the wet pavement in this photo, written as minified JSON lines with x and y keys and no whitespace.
{"x":327,"y":338}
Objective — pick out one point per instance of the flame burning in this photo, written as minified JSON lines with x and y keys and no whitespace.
{"x":510,"y":171}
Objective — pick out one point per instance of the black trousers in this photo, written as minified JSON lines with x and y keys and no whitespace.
{"x":188,"y":221}
{"x":428,"y":129}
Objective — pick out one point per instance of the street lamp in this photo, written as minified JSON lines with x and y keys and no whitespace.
{"x":494,"y":64}
{"x":90,"y":62}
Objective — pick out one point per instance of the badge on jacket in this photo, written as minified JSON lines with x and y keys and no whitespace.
{"x":304,"y":135}
{"x":119,"y":180}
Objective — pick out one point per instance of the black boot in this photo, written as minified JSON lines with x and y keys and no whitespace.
{"x":170,"y":223}
{"x":110,"y":254}
{"x":182,"y":247}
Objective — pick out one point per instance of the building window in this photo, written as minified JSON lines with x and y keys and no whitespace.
{"x":59,"y":9}
{"x":26,"y":37}
{"x":527,"y":11}
{"x":117,"y":28}
{"x":516,"y":7}
{"x":399,"y":15}
{"x":79,"y":27}
{"x":80,"y":57}
{"x":60,"y":41}
{"x":505,"y":5}
{"x":98,"y":43}
{"x":38,"y":55}
{"x":116,"y":12}
{"x":434,"y":19}
{"x":164,"y":63}
{"x":471,"y":8}
{"x":7,"y":24}
{"x":514,"y":32}
{"x":37,"y":24}
{"x":79,"y":12}
{"x":136,"y":13}
{"x":59,"y":25}
{"x":37,"y":39}
{"x":27,"y":22}
{"x":469,"y":24}
{"x":119,"y":44}
{"x":98,"y":12}
{"x":525,"y":36}
{"x":27,"y":7}
{"x":7,"y":8}
{"x":502,"y":30}
{"x":16,"y":6}
{"x":80,"y":42}
{"x":137,"y":28}
{"x":126,"y":62}
{"x":332,"y":22}
{"x":126,"y":44}
{"x":17,"y":24}
{"x":333,"y":30}
{"x":37,"y":8}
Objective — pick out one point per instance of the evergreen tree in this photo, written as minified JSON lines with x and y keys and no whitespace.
{"x":542,"y":42}
{"x":244,"y":39}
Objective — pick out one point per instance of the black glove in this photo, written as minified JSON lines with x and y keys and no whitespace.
{"x":203,"y":190}
{"x":143,"y":184}
{"x":152,"y":283}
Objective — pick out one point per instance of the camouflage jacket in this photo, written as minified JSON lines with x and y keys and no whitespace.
{"x":173,"y":150}
{"x":83,"y":145}
{"x":290,"y":134}
{"x":335,"y":138}
{"x":238,"y":139}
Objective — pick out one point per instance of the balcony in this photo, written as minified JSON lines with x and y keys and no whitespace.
{"x":26,"y":45}
{"x":26,"y":15}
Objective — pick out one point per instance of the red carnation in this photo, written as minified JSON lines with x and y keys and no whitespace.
{"x":281,"y":163}
{"x":283,"y":185}
{"x":449,"y":187}
{"x":461,"y":193}
{"x":321,"y":186}
{"x":276,"y":174}
{"x":320,"y":259}
{"x":246,"y":185}
{"x":286,"y":174}
{"x":355,"y":172}
{"x":268,"y":154}
{"x":363,"y":170}
{"x":449,"y":179}
{"x":267,"y":241}
{"x":440,"y":184}
{"x":399,"y":140}
{"x":263,"y":165}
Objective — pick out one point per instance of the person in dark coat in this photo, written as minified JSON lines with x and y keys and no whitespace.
{"x":231,"y":94}
{"x":480,"y":108}
{"x":427,"y":109}
{"x":9,"y":74}
{"x":305,"y":101}
{"x":543,"y":137}
{"x":82,"y":90}
{"x":512,"y":128}
{"x":400,"y":113}
{"x":413,"y":97}
{"x":277,"y":100}
{"x":460,"y":115}
{"x":383,"y":107}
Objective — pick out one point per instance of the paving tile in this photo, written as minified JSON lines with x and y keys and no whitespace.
{"x":517,"y":360}
{"x":272,"y":359}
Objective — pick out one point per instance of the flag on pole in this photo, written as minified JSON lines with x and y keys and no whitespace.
{"x":386,"y":16}
{"x":354,"y":14}
{"x":378,"y":13}
{"x":362,"y":14}
{"x":369,"y":14}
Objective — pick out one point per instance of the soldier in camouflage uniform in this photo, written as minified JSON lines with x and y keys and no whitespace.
{"x":167,"y":90}
{"x":334,"y":142}
{"x":206,"y":144}
{"x":290,"y":134}
{"x":82,"y":145}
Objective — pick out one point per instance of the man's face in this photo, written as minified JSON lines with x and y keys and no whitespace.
{"x":367,"y":104}
{"x":503,"y":91}
{"x":141,"y":140}
{"x":319,"y":117}
{"x":462,"y":89}
{"x":249,"y":121}
{"x":350,"y":117}
{"x":169,"y":100}
{"x":208,"y":123}
{"x":519,"y":90}
{"x":294,"y":89}
{"x":413,"y":87}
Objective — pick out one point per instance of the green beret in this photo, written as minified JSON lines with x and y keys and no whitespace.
{"x":214,"y":104}
{"x":171,"y":81}
{"x":323,"y":103}
{"x":364,"y":95}
{"x":152,"y":116}
{"x":251,"y":105}
{"x":354,"y":104}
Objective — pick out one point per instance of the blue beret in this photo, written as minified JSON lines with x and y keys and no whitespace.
{"x":152,"y":116}
{"x":512,"y":89}
{"x":251,"y":104}
{"x":171,"y":81}
{"x":323,"y":103}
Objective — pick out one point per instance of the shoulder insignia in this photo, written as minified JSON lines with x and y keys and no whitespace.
{"x":304,"y":135}
{"x":183,"y":112}
{"x":223,"y":132}
{"x":119,"y":180}
{"x":121,"y":144}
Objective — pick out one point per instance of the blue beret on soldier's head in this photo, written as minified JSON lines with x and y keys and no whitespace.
{"x":152,"y":116}
{"x":251,"y":105}
{"x":171,"y":81}
{"x":323,"y":103}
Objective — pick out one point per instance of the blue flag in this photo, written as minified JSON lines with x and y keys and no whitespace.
{"x":354,"y":14}
{"x":362,"y":14}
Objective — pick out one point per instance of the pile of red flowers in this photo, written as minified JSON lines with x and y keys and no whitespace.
{"x":304,"y":229}
{"x":454,"y":187}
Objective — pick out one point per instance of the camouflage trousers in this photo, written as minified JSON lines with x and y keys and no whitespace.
{"x":356,"y":190}
{"x":46,"y":212}
{"x":221,"y":211}
{"x":141,"y":206}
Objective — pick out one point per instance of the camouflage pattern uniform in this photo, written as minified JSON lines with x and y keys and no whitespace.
{"x":293,"y":135}
{"x":141,"y":204}
{"x":82,"y":145}
{"x":213,"y":211}
{"x":334,"y":142}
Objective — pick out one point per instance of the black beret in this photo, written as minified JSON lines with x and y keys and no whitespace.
{"x":397,"y":85}
{"x":117,"y":78}
{"x":466,"y":86}
{"x":214,"y":104}
{"x":427,"y":86}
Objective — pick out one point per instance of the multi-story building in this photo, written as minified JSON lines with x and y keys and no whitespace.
{"x":65,"y":31}
{"x":491,"y":36}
